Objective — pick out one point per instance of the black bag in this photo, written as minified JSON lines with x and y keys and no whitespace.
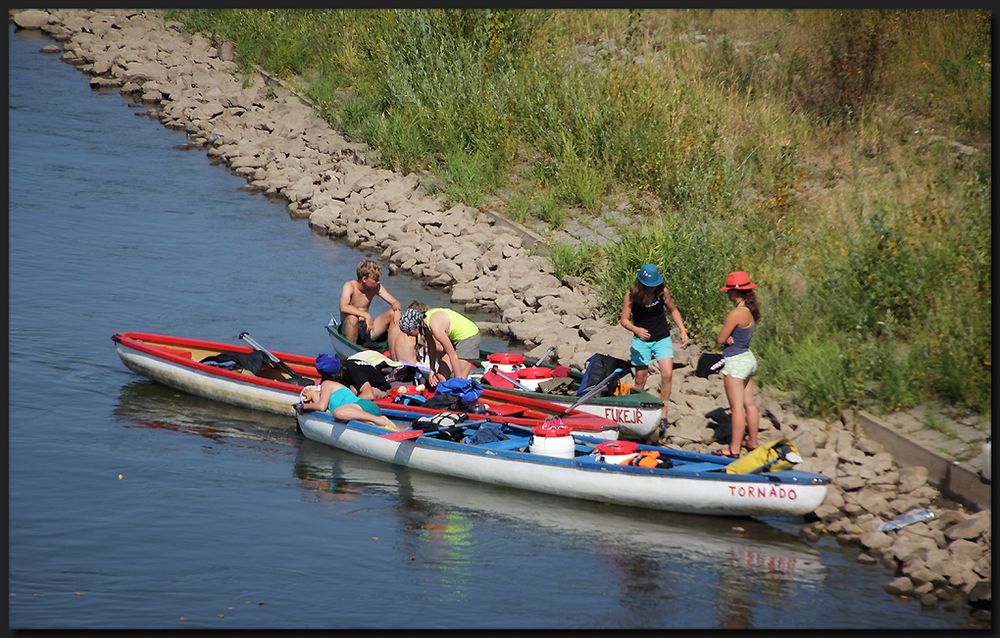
{"x":599,"y":366}
{"x":709,"y":363}
{"x":250,"y":361}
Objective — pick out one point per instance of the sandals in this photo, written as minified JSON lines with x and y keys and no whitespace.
{"x":726,"y":453}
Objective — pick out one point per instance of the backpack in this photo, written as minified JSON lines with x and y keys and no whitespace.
{"x":466,"y":391}
{"x":599,"y":366}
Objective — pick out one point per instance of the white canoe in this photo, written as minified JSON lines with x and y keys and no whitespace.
{"x":176,"y":362}
{"x":695,"y":483}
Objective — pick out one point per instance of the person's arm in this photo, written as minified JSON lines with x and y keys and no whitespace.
{"x":313,"y":400}
{"x":626,"y":319}
{"x":347,"y":307}
{"x":439,"y":325}
{"x":725,"y":335}
{"x":389,"y":299}
{"x":676,"y":314}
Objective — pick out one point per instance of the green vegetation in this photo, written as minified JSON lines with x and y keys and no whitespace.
{"x":842,"y":157}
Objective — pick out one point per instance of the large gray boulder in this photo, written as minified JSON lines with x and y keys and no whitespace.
{"x":31,"y":19}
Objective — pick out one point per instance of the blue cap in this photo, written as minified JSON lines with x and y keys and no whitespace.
{"x":327,"y":364}
{"x":649,"y":276}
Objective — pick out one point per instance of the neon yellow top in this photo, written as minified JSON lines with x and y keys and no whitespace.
{"x":461,"y":326}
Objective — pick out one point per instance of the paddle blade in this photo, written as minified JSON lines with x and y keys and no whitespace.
{"x":402,"y":435}
{"x":589,"y":422}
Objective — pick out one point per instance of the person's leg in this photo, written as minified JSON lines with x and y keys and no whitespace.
{"x":365,"y":391}
{"x":752,"y":413}
{"x":468,"y":356}
{"x":663,"y":350}
{"x":666,"y":381}
{"x":640,"y":356}
{"x":734,"y":393}
{"x":465,"y":367}
{"x":349,"y":327}
{"x":380,"y":325}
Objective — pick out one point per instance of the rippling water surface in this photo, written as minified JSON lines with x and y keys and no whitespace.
{"x":226,"y":518}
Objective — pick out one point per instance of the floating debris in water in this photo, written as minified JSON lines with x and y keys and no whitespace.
{"x":120,"y":476}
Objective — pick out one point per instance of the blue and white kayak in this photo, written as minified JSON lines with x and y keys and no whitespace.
{"x":619,"y":472}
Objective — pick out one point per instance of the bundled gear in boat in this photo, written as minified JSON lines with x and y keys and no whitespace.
{"x":250,"y":361}
{"x":455,"y":394}
{"x":599,"y":366}
{"x":488,"y":433}
{"x":769,"y":457}
{"x":408,"y":395}
{"x":449,"y":424}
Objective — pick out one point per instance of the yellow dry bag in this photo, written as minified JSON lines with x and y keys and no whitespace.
{"x":770,"y":457}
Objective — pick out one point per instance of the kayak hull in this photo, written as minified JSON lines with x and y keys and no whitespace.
{"x":175,"y":362}
{"x":696,"y":484}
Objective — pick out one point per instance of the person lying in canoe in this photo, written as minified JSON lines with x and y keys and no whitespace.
{"x":453,"y":339}
{"x":336,"y":397}
{"x":355,"y":303}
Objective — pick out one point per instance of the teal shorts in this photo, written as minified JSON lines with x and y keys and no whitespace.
{"x":370,"y":407}
{"x":642,"y":352}
{"x":740,"y":366}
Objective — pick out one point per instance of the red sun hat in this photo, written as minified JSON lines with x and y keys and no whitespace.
{"x":738,"y":280}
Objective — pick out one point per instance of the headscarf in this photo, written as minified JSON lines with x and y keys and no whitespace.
{"x":411,"y":319}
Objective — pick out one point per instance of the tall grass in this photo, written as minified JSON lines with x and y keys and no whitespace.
{"x":808,"y":147}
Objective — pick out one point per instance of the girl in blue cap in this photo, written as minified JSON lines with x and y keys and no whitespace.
{"x":336,"y":397}
{"x":644,"y":315}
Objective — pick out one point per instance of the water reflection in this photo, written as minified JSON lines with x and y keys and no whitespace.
{"x":632,"y":544}
{"x":145,"y":404}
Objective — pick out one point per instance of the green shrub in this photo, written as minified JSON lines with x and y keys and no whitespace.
{"x":577,"y":260}
{"x":549,"y":209}
{"x":871,"y":239}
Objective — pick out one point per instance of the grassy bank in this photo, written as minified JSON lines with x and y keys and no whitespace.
{"x":841,"y":157}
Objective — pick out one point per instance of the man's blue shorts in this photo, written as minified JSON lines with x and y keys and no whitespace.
{"x":643,"y":352}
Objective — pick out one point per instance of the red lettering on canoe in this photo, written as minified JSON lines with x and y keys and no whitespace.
{"x":762,"y":491}
{"x":623,"y":415}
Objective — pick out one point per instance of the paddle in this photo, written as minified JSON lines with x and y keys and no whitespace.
{"x":402,"y":435}
{"x":545,"y":355}
{"x":245,"y":336}
{"x":593,"y":391}
{"x":517,"y":384}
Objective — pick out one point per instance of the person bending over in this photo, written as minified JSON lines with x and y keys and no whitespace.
{"x":454,"y":339}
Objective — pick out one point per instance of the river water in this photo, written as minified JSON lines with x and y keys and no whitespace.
{"x":134,"y":506}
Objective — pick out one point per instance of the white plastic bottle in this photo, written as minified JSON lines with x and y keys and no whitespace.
{"x":909,"y":518}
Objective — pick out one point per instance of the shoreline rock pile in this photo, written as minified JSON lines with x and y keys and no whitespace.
{"x":264,"y":132}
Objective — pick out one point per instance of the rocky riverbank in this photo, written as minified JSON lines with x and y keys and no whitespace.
{"x":264,"y":132}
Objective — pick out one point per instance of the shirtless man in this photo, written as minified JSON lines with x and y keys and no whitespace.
{"x":356,"y":322}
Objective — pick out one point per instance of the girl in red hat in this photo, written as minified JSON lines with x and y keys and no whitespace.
{"x":741,"y":365}
{"x":644,"y":314}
